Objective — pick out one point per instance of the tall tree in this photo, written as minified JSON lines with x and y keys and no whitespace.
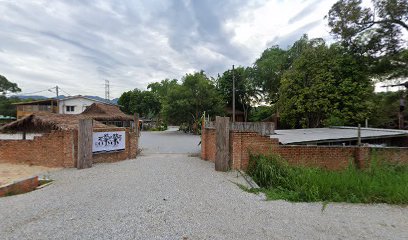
{"x":7,"y":87}
{"x":6,"y":107}
{"x":187,"y":102}
{"x":247,"y":91}
{"x":163,"y":87}
{"x":268,"y":70}
{"x":324,"y":83}
{"x":124,"y":101}
{"x":375,"y":33}
{"x":145,"y":103}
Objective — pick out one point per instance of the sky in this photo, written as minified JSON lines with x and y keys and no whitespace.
{"x":78,"y":44}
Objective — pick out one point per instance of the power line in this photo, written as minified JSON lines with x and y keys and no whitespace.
{"x":65,"y":91}
{"x":29,"y":93}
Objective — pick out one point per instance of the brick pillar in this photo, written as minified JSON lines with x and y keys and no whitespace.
{"x":235,"y":149}
{"x":362,"y":157}
{"x":203,"y":140}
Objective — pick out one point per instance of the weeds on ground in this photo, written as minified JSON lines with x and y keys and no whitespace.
{"x":380,"y":183}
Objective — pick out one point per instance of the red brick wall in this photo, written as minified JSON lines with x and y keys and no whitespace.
{"x":245,"y":143}
{"x":59,"y":149}
{"x":328,"y":157}
{"x":332,"y":158}
{"x":53,"y":149}
{"x":208,"y":147}
{"x":394,"y":155}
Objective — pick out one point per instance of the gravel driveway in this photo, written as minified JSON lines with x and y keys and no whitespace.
{"x":170,"y":141}
{"x":173,"y":196}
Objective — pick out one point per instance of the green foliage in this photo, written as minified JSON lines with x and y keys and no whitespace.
{"x":268,"y":71}
{"x":246,"y":91}
{"x":333,"y":120}
{"x":386,"y":108}
{"x":7,"y":87}
{"x":160,"y":126}
{"x":175,"y":103}
{"x":163,"y":88}
{"x":6,"y":107}
{"x":375,"y":33}
{"x":124,"y":101}
{"x":381,"y":183}
{"x":187,"y":102}
{"x":324,"y":82}
{"x":261,"y":113}
{"x":145,"y":103}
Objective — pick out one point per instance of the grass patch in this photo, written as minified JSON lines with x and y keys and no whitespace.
{"x":380,"y":183}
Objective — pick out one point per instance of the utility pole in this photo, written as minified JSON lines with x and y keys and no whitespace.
{"x":57,"y":93}
{"x":233,"y":93}
{"x":107,"y":98}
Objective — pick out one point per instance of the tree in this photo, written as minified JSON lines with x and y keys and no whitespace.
{"x":246,"y":90}
{"x":124,"y":101}
{"x":374,"y":33}
{"x":261,"y":113}
{"x":162,"y":88}
{"x":145,"y":103}
{"x":324,"y":83}
{"x":386,"y":109}
{"x":268,"y":70}
{"x":6,"y":107}
{"x":187,"y":102}
{"x":7,"y":87}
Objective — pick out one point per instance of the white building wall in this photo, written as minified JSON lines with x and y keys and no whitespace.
{"x":79,"y":105}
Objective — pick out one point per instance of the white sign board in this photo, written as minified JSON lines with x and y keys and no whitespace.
{"x":108,"y":141}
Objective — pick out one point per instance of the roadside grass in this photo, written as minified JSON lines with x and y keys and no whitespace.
{"x":380,"y":183}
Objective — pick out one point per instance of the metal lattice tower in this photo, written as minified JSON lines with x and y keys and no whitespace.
{"x":107,"y":90}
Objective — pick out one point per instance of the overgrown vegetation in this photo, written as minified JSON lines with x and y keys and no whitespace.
{"x":380,"y":183}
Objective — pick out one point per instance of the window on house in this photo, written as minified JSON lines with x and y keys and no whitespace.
{"x":70,"y":108}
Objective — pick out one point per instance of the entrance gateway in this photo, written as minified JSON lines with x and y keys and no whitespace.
{"x":100,"y":142}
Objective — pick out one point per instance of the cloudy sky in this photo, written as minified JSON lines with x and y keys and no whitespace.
{"x":77,"y":44}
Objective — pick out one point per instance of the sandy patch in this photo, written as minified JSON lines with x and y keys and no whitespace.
{"x":11,"y":172}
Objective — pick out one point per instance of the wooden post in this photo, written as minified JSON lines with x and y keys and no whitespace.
{"x":84,"y":144}
{"x":222,"y":144}
{"x":136,"y":123}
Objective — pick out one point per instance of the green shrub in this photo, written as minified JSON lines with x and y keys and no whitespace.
{"x":380,"y":183}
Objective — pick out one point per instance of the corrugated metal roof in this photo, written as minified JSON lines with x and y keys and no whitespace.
{"x":333,"y":134}
{"x":6,"y":117}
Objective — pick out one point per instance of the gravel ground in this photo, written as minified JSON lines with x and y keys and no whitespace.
{"x":173,"y":196}
{"x":170,"y":141}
